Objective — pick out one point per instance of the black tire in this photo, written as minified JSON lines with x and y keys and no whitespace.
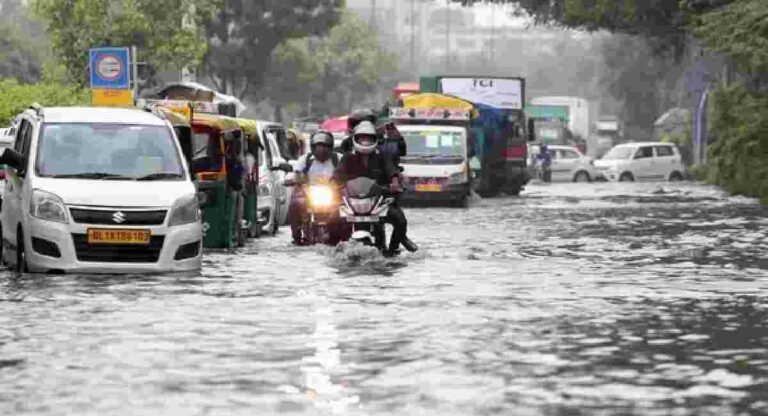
{"x":626,"y":177}
{"x":462,"y":202}
{"x":242,"y":233}
{"x":21,"y":254}
{"x":676,"y":177}
{"x":254,"y":231}
{"x":582,"y":176}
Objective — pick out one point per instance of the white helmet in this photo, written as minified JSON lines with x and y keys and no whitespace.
{"x":365,"y":128}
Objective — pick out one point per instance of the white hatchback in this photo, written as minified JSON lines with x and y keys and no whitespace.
{"x":642,"y":161}
{"x":568,"y":164}
{"x":99,"y":190}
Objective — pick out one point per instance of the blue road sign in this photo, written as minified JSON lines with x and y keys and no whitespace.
{"x":110,"y":68}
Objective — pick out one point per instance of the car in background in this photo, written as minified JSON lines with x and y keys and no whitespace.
{"x":642,"y":161}
{"x":6,"y":141}
{"x":273,"y":196}
{"x":568,"y":164}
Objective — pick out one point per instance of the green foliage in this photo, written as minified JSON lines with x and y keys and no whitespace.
{"x":242,"y":34}
{"x":15,"y":97}
{"x":334,"y":71}
{"x":23,"y":48}
{"x":737,"y":160}
{"x":157,"y":28}
{"x":739,"y":30}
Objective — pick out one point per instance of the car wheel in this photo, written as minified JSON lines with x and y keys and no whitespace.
{"x":21,"y":253}
{"x":582,"y":176}
{"x":626,"y":177}
{"x":676,"y":177}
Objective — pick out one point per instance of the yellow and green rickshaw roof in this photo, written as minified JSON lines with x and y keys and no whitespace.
{"x":248,"y":126}
{"x":216,"y":121}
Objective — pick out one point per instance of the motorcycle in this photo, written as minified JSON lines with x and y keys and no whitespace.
{"x":320,"y":209}
{"x":364,"y":208}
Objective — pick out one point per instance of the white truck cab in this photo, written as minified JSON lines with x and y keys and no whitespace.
{"x":436,"y":165}
{"x":98,"y":190}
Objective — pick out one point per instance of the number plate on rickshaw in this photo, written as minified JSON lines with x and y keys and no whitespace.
{"x":118,"y":236}
{"x":429,"y":187}
{"x":367,"y":218}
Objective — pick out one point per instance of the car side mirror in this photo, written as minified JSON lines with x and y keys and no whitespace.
{"x":285,"y":167}
{"x":531,"y":130}
{"x":13,"y":159}
{"x":202,"y":199}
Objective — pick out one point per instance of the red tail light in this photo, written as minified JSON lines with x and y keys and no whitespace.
{"x":515,"y":152}
{"x":2,"y":174}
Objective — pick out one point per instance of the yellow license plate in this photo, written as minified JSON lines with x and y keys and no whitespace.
{"x":429,"y":187}
{"x":118,"y":236}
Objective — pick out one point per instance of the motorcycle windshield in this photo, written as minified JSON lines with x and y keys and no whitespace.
{"x":362,"y":187}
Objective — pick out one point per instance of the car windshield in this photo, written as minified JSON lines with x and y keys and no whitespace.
{"x":619,"y":153}
{"x":108,"y":151}
{"x":434,"y":143}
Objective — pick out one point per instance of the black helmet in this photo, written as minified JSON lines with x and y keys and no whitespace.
{"x":321,"y":137}
{"x":361,"y":114}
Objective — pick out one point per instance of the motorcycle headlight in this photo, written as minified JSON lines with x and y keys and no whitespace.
{"x":361,"y":206}
{"x":47,"y":206}
{"x":457,"y":178}
{"x":320,"y":196}
{"x":264,"y":190}
{"x":185,"y":210}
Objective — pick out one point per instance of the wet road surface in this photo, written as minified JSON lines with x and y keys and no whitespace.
{"x":572,"y":299}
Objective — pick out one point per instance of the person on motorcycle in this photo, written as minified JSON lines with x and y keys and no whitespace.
{"x":366,"y":161}
{"x":317,"y":166}
{"x":355,"y":118}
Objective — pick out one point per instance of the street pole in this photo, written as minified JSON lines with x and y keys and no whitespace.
{"x":447,"y":34}
{"x":413,"y":35}
{"x":135,"y":70}
{"x":373,"y":14}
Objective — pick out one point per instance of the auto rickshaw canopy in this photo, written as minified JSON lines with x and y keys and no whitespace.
{"x":433,"y":100}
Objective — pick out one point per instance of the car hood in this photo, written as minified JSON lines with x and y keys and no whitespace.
{"x":432,"y":170}
{"x":126,"y":194}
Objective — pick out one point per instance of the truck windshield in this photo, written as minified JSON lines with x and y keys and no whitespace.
{"x":619,"y":153}
{"x":107,"y":151}
{"x":435,"y":143}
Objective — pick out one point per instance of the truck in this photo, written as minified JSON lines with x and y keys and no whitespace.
{"x":498,"y":134}
{"x":436,"y":130}
{"x":578,"y":121}
{"x":608,"y":133}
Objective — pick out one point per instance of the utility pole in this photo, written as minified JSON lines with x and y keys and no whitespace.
{"x":413,"y":35}
{"x":447,"y":34}
{"x":373,"y":14}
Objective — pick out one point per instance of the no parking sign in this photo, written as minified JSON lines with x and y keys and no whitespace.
{"x":109,"y":68}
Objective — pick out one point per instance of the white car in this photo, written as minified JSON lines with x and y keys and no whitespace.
{"x":642,"y":161}
{"x":99,"y":190}
{"x":273,"y":197}
{"x":568,"y":163}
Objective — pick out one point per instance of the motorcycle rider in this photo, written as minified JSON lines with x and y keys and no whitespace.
{"x":390,"y":144}
{"x":546,"y":163}
{"x":366,"y":161}
{"x":315,"y":167}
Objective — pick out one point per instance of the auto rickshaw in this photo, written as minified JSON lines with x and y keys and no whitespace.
{"x":252,"y":151}
{"x":218,"y":161}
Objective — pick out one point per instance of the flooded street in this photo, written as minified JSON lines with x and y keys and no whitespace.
{"x":569,"y":300}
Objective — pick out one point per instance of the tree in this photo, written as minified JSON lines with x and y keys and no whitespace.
{"x":334,"y":72}
{"x":242,"y":34}
{"x":162,"y":31}
{"x":23,"y":47}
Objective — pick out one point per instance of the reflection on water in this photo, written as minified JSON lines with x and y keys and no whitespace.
{"x":571,"y":299}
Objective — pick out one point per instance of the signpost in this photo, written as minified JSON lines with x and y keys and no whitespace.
{"x":110,"y":76}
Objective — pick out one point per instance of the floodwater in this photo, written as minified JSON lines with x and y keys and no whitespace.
{"x":571,"y":299}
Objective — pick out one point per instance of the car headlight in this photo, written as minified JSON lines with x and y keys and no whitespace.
{"x":47,"y":206}
{"x":264,"y":190}
{"x":457,"y":178}
{"x":185,"y":210}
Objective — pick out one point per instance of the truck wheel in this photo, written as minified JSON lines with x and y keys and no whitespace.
{"x":462,"y":202}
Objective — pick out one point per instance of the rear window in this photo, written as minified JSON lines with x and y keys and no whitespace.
{"x":664,"y":151}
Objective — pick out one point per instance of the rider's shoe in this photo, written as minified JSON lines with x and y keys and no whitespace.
{"x":409,"y":245}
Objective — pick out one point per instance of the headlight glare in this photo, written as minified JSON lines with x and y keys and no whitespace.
{"x":185,"y":211}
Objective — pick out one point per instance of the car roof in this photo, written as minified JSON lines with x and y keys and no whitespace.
{"x":636,"y":144}
{"x":101,"y":115}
